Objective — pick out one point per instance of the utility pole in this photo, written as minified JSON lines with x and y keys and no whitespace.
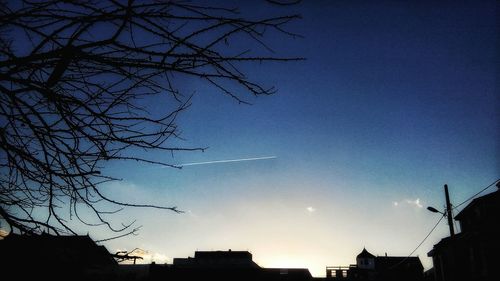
{"x":448,"y":211}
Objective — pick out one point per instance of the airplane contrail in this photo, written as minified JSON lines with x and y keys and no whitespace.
{"x":226,"y":161}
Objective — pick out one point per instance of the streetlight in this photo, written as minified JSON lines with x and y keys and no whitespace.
{"x":447,"y":212}
{"x":432,"y":209}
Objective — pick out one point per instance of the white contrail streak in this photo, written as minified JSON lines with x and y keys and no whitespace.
{"x":226,"y":161}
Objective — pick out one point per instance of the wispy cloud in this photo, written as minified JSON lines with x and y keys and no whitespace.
{"x":147,"y":256}
{"x":226,"y":161}
{"x":311,"y":209}
{"x":191,"y":214}
{"x":410,"y":202}
{"x":415,"y":202}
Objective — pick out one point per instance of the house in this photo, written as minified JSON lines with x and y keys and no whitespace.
{"x":224,"y":265}
{"x":54,"y":258}
{"x":217,"y":259}
{"x":373,"y":268}
{"x":399,"y":268}
{"x":474,"y":253}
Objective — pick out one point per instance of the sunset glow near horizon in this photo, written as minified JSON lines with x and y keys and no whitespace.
{"x":394,"y":100}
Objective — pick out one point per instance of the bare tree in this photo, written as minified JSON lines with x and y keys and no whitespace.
{"x":71,"y":77}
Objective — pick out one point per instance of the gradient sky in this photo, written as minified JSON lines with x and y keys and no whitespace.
{"x":395,"y":99}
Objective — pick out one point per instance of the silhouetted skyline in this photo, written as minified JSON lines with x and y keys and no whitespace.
{"x":471,"y":254}
{"x":394,"y":100}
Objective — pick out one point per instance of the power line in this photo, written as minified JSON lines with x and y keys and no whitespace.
{"x":472,"y":197}
{"x":440,"y":219}
{"x":420,"y":244}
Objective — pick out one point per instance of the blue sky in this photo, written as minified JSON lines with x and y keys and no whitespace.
{"x":394,"y":100}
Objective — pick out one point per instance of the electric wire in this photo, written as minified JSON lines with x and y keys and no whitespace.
{"x":441,"y":218}
{"x":473,"y":196}
{"x":420,"y":244}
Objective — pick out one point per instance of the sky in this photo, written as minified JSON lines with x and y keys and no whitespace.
{"x":394,"y":100}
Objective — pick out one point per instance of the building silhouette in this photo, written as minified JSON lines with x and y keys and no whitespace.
{"x":48,"y":257}
{"x":474,"y":253}
{"x":217,"y":259}
{"x":369,"y":267}
{"x":224,"y":265}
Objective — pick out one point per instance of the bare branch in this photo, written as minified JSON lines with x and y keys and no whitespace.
{"x":72,"y":76}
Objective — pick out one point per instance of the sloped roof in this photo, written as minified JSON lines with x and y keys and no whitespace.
{"x":398,"y":263}
{"x":492,"y":199}
{"x":365,"y":254}
{"x":79,"y":251}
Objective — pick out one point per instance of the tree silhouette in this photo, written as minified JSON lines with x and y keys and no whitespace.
{"x":72,"y":74}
